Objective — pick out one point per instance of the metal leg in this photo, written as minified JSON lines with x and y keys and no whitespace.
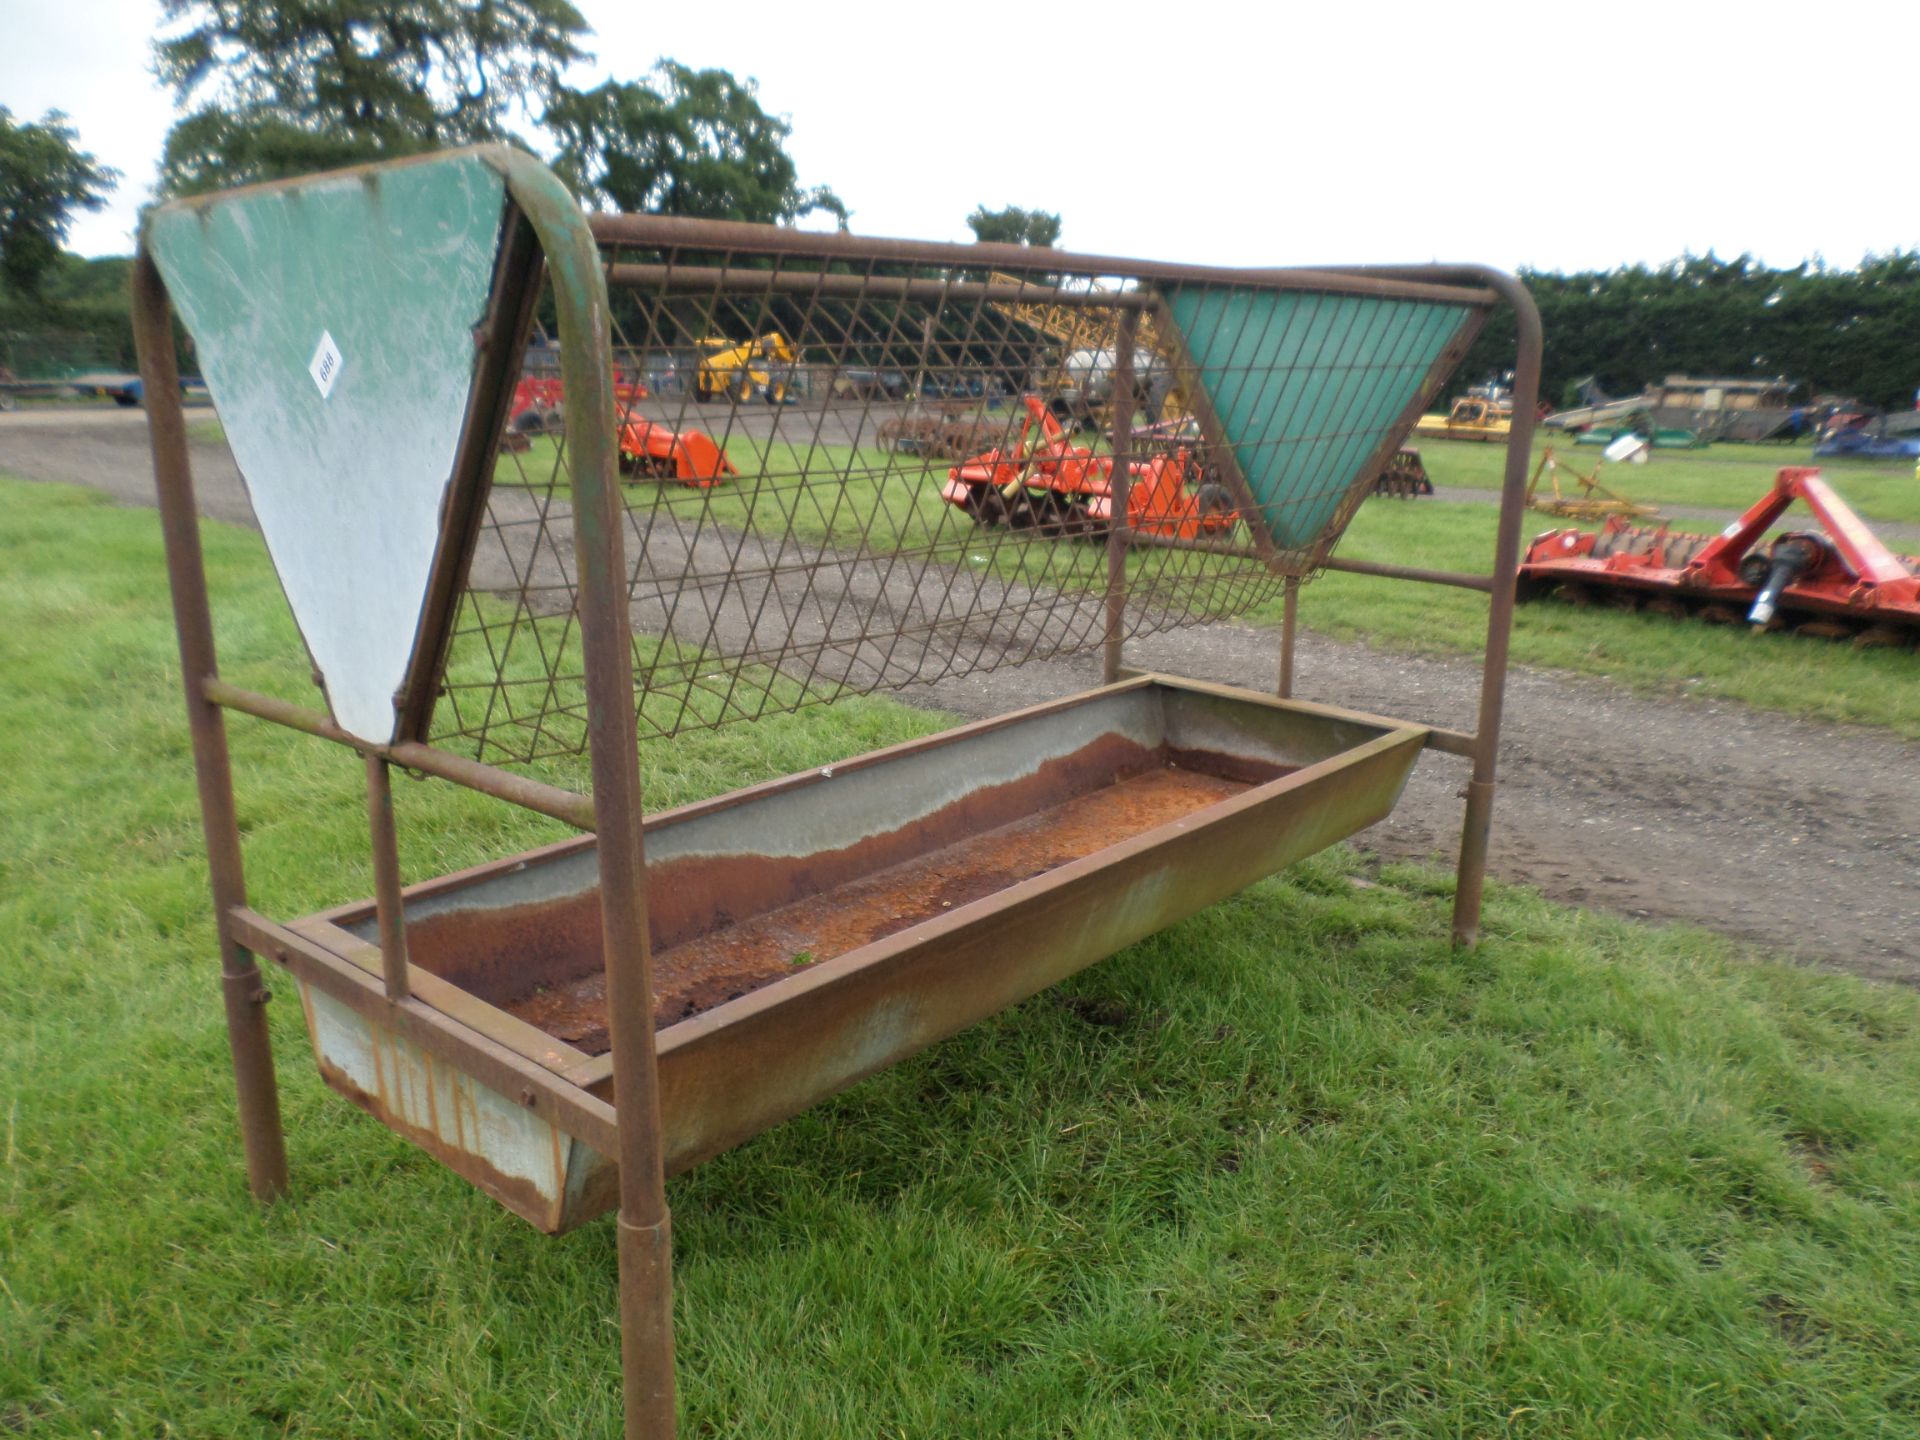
{"x":386,"y":879}
{"x":1289,"y":622}
{"x":646,"y":1327}
{"x":242,"y":989}
{"x":1119,"y":489}
{"x":1477,"y":825}
{"x":646,"y":1271}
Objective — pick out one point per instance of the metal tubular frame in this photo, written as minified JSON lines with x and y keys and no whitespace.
{"x":387,"y":884}
{"x":1119,"y":525}
{"x":568,"y":245}
{"x":242,"y":988}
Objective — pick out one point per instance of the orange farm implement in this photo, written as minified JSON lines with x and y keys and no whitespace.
{"x":649,"y":450}
{"x":1837,"y":580}
{"x":1064,"y":489}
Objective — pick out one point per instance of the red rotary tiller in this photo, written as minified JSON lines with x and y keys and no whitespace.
{"x":1838,"y":580}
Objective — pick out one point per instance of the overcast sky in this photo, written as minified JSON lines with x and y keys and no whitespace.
{"x":1239,"y":134}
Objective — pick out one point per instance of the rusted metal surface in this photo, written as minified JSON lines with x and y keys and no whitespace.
{"x":809,"y":1035}
{"x":513,"y":1058}
{"x":1477,"y":824}
{"x":1442,"y":283}
{"x":543,"y":799}
{"x":480,"y":1134}
{"x":1030,"y":877}
{"x":500,"y":340}
{"x":243,"y":991}
{"x":709,"y":279}
{"x":606,"y":643}
{"x":1120,"y":512}
{"x":832,"y":565}
{"x":817,"y":928}
{"x":1451,"y":578}
{"x":386,"y":878}
{"x":708,"y":969}
{"x":1289,"y":625}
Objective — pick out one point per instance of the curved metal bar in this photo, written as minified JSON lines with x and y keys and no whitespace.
{"x":738,"y":237}
{"x":586,"y":362}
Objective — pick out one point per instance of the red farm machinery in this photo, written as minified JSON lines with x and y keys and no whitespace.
{"x":648,"y":450}
{"x":1837,"y":580}
{"x":1060,"y":488}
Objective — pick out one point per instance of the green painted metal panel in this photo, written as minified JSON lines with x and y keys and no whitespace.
{"x":333,"y":320}
{"x":1307,"y":385}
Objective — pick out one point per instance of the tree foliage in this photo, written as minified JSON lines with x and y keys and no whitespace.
{"x":272,"y":88}
{"x":1840,"y":331}
{"x":1014,"y":226}
{"x":284,"y":87}
{"x":693,"y":142}
{"x":45,"y":177}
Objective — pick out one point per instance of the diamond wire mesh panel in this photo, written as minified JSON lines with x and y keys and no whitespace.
{"x":844,"y":477}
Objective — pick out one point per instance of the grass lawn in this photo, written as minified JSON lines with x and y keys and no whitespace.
{"x":1724,"y":477}
{"x":1292,"y":1167}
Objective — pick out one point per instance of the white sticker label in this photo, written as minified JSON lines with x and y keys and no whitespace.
{"x":325,"y":365}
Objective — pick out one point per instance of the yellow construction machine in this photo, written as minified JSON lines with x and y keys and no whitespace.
{"x":1076,"y":380}
{"x":1480,"y":414}
{"x":743,"y":369}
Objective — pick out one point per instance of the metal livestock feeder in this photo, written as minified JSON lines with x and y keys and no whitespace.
{"x":566,"y":1028}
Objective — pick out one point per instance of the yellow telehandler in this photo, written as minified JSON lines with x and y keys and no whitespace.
{"x":744,"y":369}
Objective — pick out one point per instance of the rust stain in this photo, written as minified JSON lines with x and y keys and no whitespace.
{"x":710,"y":969}
{"x":508,"y":949}
{"x":518,"y":1194}
{"x":505,"y":953}
{"x":689,"y":898}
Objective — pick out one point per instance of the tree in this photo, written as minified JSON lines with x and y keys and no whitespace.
{"x":1844,"y":331}
{"x":1014,"y":226}
{"x":44,"y":179}
{"x":284,"y":87}
{"x":695,"y":142}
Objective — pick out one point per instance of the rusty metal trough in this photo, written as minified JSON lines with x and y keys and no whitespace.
{"x":568,"y":1027}
{"x":812,"y":930}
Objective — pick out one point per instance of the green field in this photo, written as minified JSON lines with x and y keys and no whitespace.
{"x":1292,"y":1167}
{"x":1721,"y":477}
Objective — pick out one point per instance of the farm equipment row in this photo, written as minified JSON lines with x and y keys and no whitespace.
{"x":1837,"y":581}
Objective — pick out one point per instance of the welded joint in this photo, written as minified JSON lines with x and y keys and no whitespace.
{"x":656,"y":1238}
{"x":246,"y":985}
